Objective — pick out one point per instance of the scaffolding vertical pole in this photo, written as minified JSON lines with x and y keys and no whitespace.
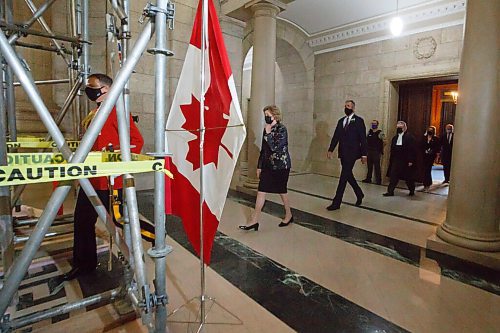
{"x":10,"y":97}
{"x":160,"y":249}
{"x":74,"y":67}
{"x":85,"y":62}
{"x":6,"y":228}
{"x":125,"y":38}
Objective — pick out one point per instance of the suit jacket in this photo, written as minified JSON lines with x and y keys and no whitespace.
{"x":446,"y":148}
{"x":351,"y":139}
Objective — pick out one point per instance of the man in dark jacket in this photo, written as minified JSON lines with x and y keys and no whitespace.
{"x":351,"y":138}
{"x":375,"y":143}
{"x":402,"y":160}
{"x":446,"y":150}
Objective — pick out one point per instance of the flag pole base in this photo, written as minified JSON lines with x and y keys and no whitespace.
{"x":190,"y":313}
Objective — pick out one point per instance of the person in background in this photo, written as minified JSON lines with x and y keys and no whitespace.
{"x":446,"y":150}
{"x":375,"y":146}
{"x":273,"y":167}
{"x":402,"y":160}
{"x":430,"y":149}
{"x":85,"y":216}
{"x":350,"y":135}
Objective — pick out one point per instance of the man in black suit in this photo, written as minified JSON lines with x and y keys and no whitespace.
{"x":446,"y":150}
{"x":351,"y":138}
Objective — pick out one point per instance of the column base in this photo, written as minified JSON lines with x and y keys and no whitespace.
{"x":243,"y":172}
{"x":485,"y":243}
{"x":252,"y":183}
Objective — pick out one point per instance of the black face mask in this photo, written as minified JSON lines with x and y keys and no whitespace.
{"x":430,"y":133}
{"x":399,"y":130}
{"x":93,"y":93}
{"x":268,"y":120}
{"x":347,"y":111}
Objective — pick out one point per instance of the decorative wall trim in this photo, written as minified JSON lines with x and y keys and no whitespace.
{"x":386,"y":37}
{"x":383,"y":25}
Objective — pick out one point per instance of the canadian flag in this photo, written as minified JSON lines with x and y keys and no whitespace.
{"x":224,"y":135}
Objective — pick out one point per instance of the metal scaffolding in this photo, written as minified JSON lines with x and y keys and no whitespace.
{"x":151,"y":305}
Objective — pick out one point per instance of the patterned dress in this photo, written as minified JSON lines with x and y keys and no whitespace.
{"x":274,"y":160}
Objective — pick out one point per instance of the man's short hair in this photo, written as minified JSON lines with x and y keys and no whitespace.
{"x":376,"y":121}
{"x":350,"y":100}
{"x":103,"y":79}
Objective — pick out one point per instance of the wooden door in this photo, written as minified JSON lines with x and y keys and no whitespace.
{"x":415,"y":103}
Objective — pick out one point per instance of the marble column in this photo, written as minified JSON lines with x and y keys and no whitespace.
{"x":263,"y":81}
{"x":473,"y":214}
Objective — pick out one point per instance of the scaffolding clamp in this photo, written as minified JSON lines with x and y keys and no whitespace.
{"x":151,"y":11}
{"x":160,"y":253}
{"x":4,"y":324}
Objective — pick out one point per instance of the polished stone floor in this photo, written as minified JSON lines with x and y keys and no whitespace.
{"x":358,"y":269}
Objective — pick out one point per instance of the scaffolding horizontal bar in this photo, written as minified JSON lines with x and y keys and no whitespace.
{"x":45,"y":82}
{"x":63,"y":309}
{"x":38,"y":47}
{"x":14,"y":28}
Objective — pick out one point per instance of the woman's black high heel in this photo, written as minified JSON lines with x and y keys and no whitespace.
{"x":254,"y":226}
{"x":283,"y":224}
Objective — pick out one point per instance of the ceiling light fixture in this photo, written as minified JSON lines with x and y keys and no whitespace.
{"x":397,"y":22}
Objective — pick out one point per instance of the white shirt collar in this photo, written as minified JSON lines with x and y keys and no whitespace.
{"x":400,"y":139}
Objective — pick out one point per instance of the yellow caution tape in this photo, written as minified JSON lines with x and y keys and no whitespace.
{"x":57,"y":158}
{"x":29,"y":138}
{"x":24,"y":143}
{"x":40,"y":173}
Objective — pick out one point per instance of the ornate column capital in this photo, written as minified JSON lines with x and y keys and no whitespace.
{"x":245,"y":10}
{"x":264,"y":8}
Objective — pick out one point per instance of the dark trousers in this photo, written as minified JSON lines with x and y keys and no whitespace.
{"x":428,"y":163}
{"x":374,"y":161}
{"x":399,"y":169}
{"x":346,"y":176}
{"x":446,"y":169}
{"x":84,"y":244}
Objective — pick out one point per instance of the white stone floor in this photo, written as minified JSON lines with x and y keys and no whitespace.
{"x":418,"y":299}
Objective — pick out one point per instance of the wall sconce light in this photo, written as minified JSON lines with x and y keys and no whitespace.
{"x":454,"y":95}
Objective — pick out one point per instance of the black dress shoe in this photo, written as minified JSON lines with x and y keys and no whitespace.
{"x":368,"y":181}
{"x":333,"y":207}
{"x":388,"y":194}
{"x":283,"y":224}
{"x":412,"y":193}
{"x":359,"y":200}
{"x":76,"y":272}
{"x":254,"y":226}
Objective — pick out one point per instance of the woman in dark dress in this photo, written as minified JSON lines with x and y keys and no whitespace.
{"x":430,"y":149}
{"x":273,"y":167}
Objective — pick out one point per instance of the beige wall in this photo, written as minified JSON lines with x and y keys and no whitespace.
{"x":364,"y":74}
{"x":294,"y":99}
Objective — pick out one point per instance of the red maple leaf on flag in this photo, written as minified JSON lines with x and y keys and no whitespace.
{"x":216,"y":120}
